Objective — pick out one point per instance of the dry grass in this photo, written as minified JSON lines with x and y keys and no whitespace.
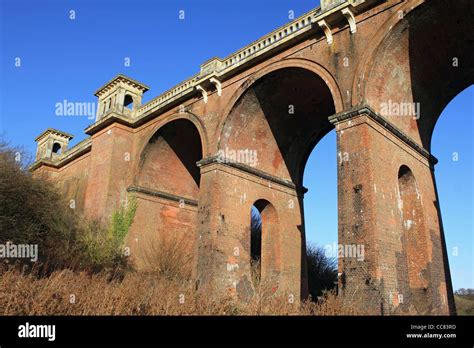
{"x":464,"y":304}
{"x":170,"y":258}
{"x":68,"y":293}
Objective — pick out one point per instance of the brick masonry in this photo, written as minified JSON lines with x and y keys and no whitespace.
{"x":275,"y":105}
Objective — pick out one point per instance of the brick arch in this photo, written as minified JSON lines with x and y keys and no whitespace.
{"x":309,"y":65}
{"x":368,"y":57}
{"x":315,"y":96}
{"x":168,"y":161}
{"x":411,"y":64}
{"x":173,"y":117}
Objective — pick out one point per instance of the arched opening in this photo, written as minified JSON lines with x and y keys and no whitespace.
{"x":280,"y":118}
{"x":255,"y":244}
{"x":283,"y":115}
{"x":399,"y":80}
{"x":264,"y":242}
{"x":57,"y":148}
{"x":128,"y":101}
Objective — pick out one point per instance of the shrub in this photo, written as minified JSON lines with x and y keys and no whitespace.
{"x":103,"y":247}
{"x":33,"y":212}
{"x":122,"y":219}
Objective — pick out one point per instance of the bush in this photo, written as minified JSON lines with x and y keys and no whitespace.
{"x":103,"y":248}
{"x":32,"y":211}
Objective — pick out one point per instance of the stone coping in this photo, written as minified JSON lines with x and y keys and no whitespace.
{"x":251,"y":170}
{"x":161,"y":194}
{"x":367,"y":110}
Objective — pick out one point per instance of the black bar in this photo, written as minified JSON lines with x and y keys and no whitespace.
{"x":292,"y":330}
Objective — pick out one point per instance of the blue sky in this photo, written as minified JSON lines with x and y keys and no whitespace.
{"x":69,"y":59}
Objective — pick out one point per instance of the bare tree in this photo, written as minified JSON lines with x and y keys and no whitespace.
{"x":322,"y":271}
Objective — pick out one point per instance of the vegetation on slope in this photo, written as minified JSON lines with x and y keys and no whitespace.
{"x":464,"y":299}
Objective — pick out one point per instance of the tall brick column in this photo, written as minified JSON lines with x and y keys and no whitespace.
{"x":356,"y":211}
{"x":404,"y":269}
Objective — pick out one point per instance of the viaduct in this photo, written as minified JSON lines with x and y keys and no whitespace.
{"x":378,"y":72}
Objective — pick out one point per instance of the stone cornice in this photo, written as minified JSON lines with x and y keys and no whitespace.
{"x":162,"y":194}
{"x":55,"y":132}
{"x":107,"y":120}
{"x":368,"y":111}
{"x":118,"y":79}
{"x":250,"y":170}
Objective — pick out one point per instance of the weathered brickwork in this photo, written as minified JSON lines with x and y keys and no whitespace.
{"x":239,"y":133}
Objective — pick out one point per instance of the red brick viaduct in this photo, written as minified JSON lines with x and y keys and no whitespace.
{"x":239,"y":133}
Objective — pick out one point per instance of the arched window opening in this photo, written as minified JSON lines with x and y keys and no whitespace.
{"x":128,"y":102}
{"x":57,"y":148}
{"x":264,"y":242}
{"x":255,"y":243}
